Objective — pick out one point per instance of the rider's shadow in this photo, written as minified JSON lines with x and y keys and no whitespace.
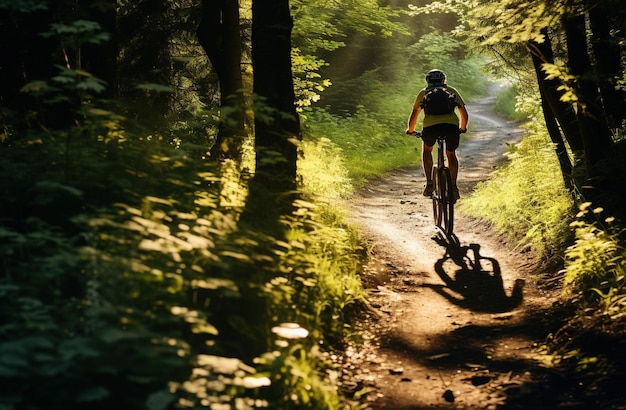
{"x":473,"y":281}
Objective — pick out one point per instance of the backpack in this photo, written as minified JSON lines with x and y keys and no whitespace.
{"x":438,"y":101}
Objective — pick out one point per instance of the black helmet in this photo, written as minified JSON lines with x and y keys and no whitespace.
{"x":435,"y":76}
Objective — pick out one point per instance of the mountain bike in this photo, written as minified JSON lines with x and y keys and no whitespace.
{"x":443,"y":195}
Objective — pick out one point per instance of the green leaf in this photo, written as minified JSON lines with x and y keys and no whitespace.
{"x":34,"y":86}
{"x":91,"y":84}
{"x":92,"y":394}
{"x":23,"y":6}
{"x":78,"y":347}
{"x":160,"y":400}
{"x":8,"y":372}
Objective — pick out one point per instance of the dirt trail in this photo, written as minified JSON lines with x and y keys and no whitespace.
{"x":445,"y":335}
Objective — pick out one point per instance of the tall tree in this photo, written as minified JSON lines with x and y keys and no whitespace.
{"x":277,"y":125}
{"x":219,"y":35}
{"x":607,"y":58}
{"x":596,"y":135}
{"x":563,"y":111}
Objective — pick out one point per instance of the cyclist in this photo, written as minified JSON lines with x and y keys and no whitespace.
{"x":442,"y":124}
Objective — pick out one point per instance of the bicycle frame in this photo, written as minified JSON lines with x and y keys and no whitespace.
{"x":442,"y":197}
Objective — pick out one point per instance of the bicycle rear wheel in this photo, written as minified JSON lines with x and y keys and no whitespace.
{"x":436,"y":198}
{"x":446,"y":200}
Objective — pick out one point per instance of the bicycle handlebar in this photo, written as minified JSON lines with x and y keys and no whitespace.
{"x":418,"y":134}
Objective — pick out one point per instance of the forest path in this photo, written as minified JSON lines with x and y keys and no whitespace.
{"x":444,"y":335}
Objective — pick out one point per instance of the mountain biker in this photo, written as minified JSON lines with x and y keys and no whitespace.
{"x":436,"y":125}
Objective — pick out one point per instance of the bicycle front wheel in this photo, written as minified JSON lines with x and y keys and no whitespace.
{"x":447,"y":201}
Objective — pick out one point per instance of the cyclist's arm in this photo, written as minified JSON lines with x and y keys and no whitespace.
{"x":415,"y":112}
{"x":464,"y":117}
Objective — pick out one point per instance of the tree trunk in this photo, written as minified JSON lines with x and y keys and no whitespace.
{"x":277,"y":125}
{"x":219,"y":35}
{"x":596,"y":135}
{"x":556,"y":137}
{"x":607,"y":58}
{"x":542,"y":53}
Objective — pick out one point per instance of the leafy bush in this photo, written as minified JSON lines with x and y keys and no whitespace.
{"x":126,"y":284}
{"x":322,"y":169}
{"x":595,"y":265}
{"x":508,"y":106}
{"x":368,"y":147}
{"x":526,"y":199}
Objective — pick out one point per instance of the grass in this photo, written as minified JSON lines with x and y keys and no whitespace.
{"x":526,"y":202}
{"x":368,"y":147}
{"x":507,"y":105}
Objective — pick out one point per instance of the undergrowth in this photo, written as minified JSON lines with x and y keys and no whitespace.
{"x":126,"y":284}
{"x":594,"y":290}
{"x":526,"y":199}
{"x":368,"y":147}
{"x":595,"y":265}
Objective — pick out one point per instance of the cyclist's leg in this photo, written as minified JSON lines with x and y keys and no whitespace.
{"x":428,"y":141}
{"x":427,"y":161}
{"x":452,"y":143}
{"x":453,"y":164}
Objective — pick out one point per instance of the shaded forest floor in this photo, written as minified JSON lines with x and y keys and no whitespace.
{"x":445,"y":332}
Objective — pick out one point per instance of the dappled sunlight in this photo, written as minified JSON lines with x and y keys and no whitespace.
{"x":290,"y":331}
{"x":234,"y":191}
{"x":322,"y":169}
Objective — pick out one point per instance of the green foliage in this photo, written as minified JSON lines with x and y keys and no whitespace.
{"x":445,"y":52}
{"x":85,"y":319}
{"x":323,"y":24}
{"x":510,"y":105}
{"x":595,"y":265}
{"x":526,"y":199}
{"x":126,"y":283}
{"x":369,"y":148}
{"x":78,"y":32}
{"x":322,"y":27}
{"x":323,"y":171}
{"x":594,"y":284}
{"x":513,"y":22}
{"x":23,"y":6}
{"x":387,"y":93}
{"x":307,"y":82}
{"x":496,"y":21}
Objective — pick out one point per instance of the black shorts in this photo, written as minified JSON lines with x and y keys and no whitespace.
{"x":450,"y":131}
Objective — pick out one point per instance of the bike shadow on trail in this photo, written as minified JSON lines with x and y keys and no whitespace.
{"x":473,"y":281}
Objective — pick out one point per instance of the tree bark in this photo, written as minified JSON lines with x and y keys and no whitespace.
{"x":556,"y":137}
{"x":277,"y":125}
{"x":608,"y":68}
{"x":563,"y":112}
{"x":596,"y":135}
{"x":219,"y":35}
